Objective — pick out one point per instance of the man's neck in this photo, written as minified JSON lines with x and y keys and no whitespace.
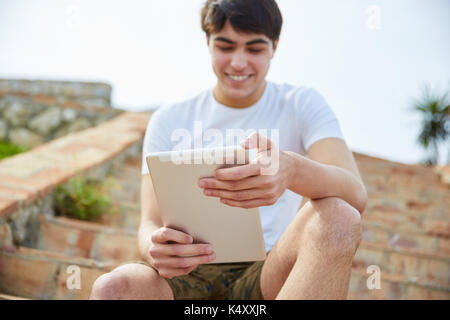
{"x":239,"y":103}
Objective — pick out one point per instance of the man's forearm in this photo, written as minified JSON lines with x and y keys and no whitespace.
{"x":316,"y":180}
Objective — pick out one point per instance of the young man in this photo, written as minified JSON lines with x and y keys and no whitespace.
{"x":310,"y":250}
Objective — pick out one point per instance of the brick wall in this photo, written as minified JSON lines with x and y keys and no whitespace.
{"x":27,"y":180}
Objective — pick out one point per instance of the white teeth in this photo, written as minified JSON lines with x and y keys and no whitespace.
{"x":238,"y":78}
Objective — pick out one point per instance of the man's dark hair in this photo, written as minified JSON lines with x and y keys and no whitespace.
{"x":248,"y":16}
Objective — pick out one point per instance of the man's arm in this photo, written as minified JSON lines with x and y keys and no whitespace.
{"x":330,"y":171}
{"x":150,"y":216}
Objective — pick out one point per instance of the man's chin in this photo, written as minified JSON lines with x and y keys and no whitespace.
{"x":238,"y":93}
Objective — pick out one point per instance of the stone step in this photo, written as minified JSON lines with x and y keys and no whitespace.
{"x":86,"y":239}
{"x":37,"y":274}
{"x":431,"y":269}
{"x":378,"y":233}
{"x":392,"y":287}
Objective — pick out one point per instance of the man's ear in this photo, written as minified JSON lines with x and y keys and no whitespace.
{"x":275,"y":46}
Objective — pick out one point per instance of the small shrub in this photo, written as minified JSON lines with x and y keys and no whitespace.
{"x":8,"y":149}
{"x":84,"y":199}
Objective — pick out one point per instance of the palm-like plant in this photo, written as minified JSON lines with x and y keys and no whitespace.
{"x":435,"y":126}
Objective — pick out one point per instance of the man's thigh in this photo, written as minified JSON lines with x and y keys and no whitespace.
{"x":282,"y":256}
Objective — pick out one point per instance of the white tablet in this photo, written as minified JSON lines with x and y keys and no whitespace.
{"x":235,"y":233}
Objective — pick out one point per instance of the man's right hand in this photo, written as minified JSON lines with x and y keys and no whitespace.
{"x":179,"y":257}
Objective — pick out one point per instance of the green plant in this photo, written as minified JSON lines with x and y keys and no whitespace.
{"x":8,"y":149}
{"x":85,"y":199}
{"x":435,"y":126}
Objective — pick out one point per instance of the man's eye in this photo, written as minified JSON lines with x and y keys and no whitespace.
{"x":225,"y":48}
{"x":255,"y":50}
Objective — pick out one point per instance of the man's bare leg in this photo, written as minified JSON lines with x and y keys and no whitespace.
{"x":313,"y":257}
{"x":131,"y":282}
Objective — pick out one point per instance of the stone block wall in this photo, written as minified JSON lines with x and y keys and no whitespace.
{"x":35,"y":112}
{"x":84,"y":93}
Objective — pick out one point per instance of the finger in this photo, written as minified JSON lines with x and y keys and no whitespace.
{"x":257,"y":140}
{"x":243,"y":184}
{"x":239,"y":172}
{"x":241,"y":195}
{"x":159,"y":250}
{"x":248,"y":204}
{"x":165,"y":234}
{"x":175,"y":272}
{"x":182,"y":262}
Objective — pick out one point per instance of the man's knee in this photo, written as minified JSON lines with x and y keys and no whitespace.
{"x":335,"y":226}
{"x":109,"y":286}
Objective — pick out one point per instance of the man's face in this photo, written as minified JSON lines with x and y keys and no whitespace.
{"x":240,"y":62}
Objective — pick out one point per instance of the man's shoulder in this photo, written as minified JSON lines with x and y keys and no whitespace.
{"x":288,"y":89}
{"x":294,"y":95}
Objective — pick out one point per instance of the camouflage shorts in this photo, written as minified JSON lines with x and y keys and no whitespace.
{"x":221,"y":281}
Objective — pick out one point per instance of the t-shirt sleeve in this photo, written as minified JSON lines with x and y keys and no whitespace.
{"x":316,"y":120}
{"x":157,"y":136}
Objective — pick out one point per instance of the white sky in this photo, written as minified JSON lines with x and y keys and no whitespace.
{"x":154,"y":51}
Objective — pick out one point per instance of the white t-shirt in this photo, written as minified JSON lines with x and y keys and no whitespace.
{"x":300,"y":116}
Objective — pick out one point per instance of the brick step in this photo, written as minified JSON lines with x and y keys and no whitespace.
{"x":392,"y":287}
{"x":420,"y":208}
{"x":394,"y":183}
{"x":37,"y":274}
{"x":397,"y":168}
{"x":408,"y":211}
{"x":10,"y":297}
{"x":391,"y":176}
{"x":406,"y":223}
{"x":431,"y":269}
{"x":375,"y":232}
{"x":426,"y":195}
{"x":86,"y":239}
{"x":401,"y":170}
{"x":407,"y":193}
{"x":373,"y":163}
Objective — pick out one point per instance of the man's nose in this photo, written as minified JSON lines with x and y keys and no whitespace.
{"x":239,"y":60}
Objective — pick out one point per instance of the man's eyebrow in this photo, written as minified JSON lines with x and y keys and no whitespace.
{"x":222,"y":39}
{"x":255,"y":41}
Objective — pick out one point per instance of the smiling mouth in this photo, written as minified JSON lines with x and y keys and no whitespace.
{"x":238,"y":78}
